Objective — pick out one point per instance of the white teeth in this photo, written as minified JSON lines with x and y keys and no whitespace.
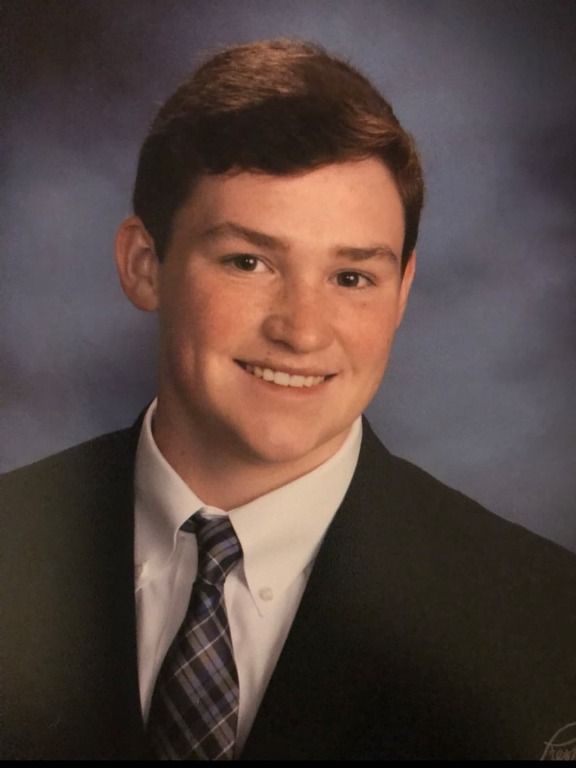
{"x":282,"y":378}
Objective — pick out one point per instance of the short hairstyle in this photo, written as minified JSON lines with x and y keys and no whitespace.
{"x":278,"y":107}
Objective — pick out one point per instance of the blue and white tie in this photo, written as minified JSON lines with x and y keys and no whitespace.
{"x":194,"y":710}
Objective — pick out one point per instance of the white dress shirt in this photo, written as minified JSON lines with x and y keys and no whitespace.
{"x":280,"y":534}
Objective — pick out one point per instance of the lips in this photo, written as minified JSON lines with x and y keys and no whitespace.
{"x":284,"y":378}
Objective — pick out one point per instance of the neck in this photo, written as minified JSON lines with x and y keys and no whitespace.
{"x":222,"y":477}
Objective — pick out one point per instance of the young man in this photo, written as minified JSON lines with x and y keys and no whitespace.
{"x":247,"y":572}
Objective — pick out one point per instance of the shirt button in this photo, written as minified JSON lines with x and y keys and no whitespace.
{"x":266,"y":594}
{"x":140,"y":568}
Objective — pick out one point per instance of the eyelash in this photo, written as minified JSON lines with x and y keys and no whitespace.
{"x":359,"y":275}
{"x":233,"y":261}
{"x":236,"y":259}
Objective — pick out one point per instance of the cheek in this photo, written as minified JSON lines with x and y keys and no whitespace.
{"x":369,"y":337}
{"x":207,"y":317}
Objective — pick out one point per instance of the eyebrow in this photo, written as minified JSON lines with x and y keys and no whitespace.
{"x":263,"y":240}
{"x":363,"y":254}
{"x":253,"y":236}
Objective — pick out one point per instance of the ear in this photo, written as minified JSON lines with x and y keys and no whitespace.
{"x":137,"y":264}
{"x":405,"y":286}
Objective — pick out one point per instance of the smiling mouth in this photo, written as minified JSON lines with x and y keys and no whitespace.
{"x":283,"y":378}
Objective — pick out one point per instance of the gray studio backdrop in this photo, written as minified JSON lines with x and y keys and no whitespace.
{"x":481,"y":388}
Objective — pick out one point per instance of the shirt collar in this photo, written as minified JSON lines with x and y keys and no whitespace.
{"x":163,"y":501}
{"x":280,"y":532}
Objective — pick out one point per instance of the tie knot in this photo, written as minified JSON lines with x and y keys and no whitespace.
{"x":218,"y":547}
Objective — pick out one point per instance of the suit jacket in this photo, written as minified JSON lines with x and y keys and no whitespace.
{"x":429,"y":629}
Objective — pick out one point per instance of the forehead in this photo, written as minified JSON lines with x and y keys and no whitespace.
{"x":353,"y":202}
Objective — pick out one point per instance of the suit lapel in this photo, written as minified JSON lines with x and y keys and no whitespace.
{"x":70,"y":632}
{"x":111,"y":656}
{"x":120,"y":686}
{"x":306,"y":712}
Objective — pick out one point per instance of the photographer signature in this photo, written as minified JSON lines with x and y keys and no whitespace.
{"x":562,"y":746}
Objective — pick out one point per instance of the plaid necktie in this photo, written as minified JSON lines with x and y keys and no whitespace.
{"x":194,"y":710}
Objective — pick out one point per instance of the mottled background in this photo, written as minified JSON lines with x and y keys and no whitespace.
{"x":482,"y":386}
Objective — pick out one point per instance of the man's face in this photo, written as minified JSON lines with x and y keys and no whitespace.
{"x":279,"y":298}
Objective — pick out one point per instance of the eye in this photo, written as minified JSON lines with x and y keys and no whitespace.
{"x":246,"y":262}
{"x":353,"y":280}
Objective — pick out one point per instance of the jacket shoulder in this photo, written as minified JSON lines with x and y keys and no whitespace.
{"x":452,"y":532}
{"x":438,"y":502}
{"x":66,"y":566}
{"x":86,"y":462}
{"x":67,"y":500}
{"x":476,"y":610}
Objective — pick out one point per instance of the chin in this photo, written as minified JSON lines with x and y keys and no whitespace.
{"x":288,"y":445}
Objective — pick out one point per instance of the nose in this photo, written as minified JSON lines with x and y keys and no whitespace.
{"x":299,"y":319}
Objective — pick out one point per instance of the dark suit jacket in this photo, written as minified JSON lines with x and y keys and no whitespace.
{"x":429,"y":629}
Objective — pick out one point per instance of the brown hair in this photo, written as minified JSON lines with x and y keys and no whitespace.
{"x":277,"y":107}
